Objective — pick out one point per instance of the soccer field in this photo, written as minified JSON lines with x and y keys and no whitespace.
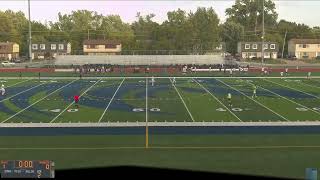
{"x":126,"y":99}
{"x":36,"y":115}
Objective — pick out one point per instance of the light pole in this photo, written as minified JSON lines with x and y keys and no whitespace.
{"x":30,"y":50}
{"x":262,"y":56}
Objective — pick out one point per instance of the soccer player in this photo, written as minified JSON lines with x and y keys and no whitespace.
{"x":76,"y":100}
{"x":309,"y":74}
{"x":229,"y":99}
{"x":230,"y":72}
{"x":152,"y":81}
{"x":254,"y":91}
{"x":286,"y":71}
{"x":3,"y":91}
{"x":281,"y":74}
{"x":174,"y":81}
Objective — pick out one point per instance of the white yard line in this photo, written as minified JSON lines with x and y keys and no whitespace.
{"x":22,"y":92}
{"x":253,"y":100}
{"x":73,"y":101}
{"x":217,"y":100}
{"x":293,"y":89}
{"x":310,"y":85}
{"x":286,"y":98}
{"x":19,"y":83}
{"x":185,"y":105}
{"x":36,"y":102}
{"x":104,"y":112}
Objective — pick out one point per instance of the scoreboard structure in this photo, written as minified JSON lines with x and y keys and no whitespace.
{"x":27,"y":169}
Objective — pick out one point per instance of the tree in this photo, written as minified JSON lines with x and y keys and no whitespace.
{"x":249,"y":14}
{"x":144,"y":32}
{"x":232,"y":33}
{"x":83,"y":24}
{"x":204,"y":30}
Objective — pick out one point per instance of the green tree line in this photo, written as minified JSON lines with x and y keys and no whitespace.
{"x":183,"y":32}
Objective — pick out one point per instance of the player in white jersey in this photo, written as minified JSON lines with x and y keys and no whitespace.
{"x":281,"y":74}
{"x":3,"y":91}
{"x":229,"y":99}
{"x":152,"y":81}
{"x":174,"y":81}
{"x":309,"y":74}
{"x":254,"y":94}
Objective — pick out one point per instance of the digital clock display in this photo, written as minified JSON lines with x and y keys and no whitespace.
{"x":27,"y":169}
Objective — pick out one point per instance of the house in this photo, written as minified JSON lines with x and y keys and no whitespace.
{"x":49,"y":50}
{"x":249,"y":50}
{"x":101,"y":47}
{"x":9,"y":51}
{"x":304,"y":48}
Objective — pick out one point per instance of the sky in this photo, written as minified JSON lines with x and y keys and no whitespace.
{"x":44,"y":11}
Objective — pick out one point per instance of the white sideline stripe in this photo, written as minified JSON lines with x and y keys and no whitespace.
{"x":218,"y":100}
{"x":73,"y":101}
{"x":22,"y":92}
{"x":293,"y":88}
{"x":36,"y":102}
{"x":161,"y":147}
{"x":287,"y":99}
{"x":104,"y":112}
{"x":254,"y":100}
{"x":182,"y":100}
{"x":164,"y":124}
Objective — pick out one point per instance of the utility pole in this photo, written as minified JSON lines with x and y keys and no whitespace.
{"x":262,"y":56}
{"x":284,"y":42}
{"x":30,"y":45}
{"x":88,"y":34}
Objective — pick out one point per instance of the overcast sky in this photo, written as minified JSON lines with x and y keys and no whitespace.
{"x":299,"y":11}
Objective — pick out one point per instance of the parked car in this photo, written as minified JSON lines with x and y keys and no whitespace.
{"x":292,"y":57}
{"x":17,"y":61}
{"x":7,"y":63}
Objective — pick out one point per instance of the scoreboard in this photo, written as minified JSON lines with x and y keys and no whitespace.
{"x":27,"y":169}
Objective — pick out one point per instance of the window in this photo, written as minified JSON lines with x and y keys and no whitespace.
{"x":272,"y":46}
{"x":53,"y":46}
{"x":255,"y":46}
{"x":305,"y":46}
{"x":300,"y":45}
{"x":247,"y":46}
{"x":34,"y":46}
{"x":92,"y":46}
{"x":61,"y":46}
{"x":305,"y":55}
{"x":265,"y":46}
{"x":42,"y":46}
{"x":107,"y":46}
